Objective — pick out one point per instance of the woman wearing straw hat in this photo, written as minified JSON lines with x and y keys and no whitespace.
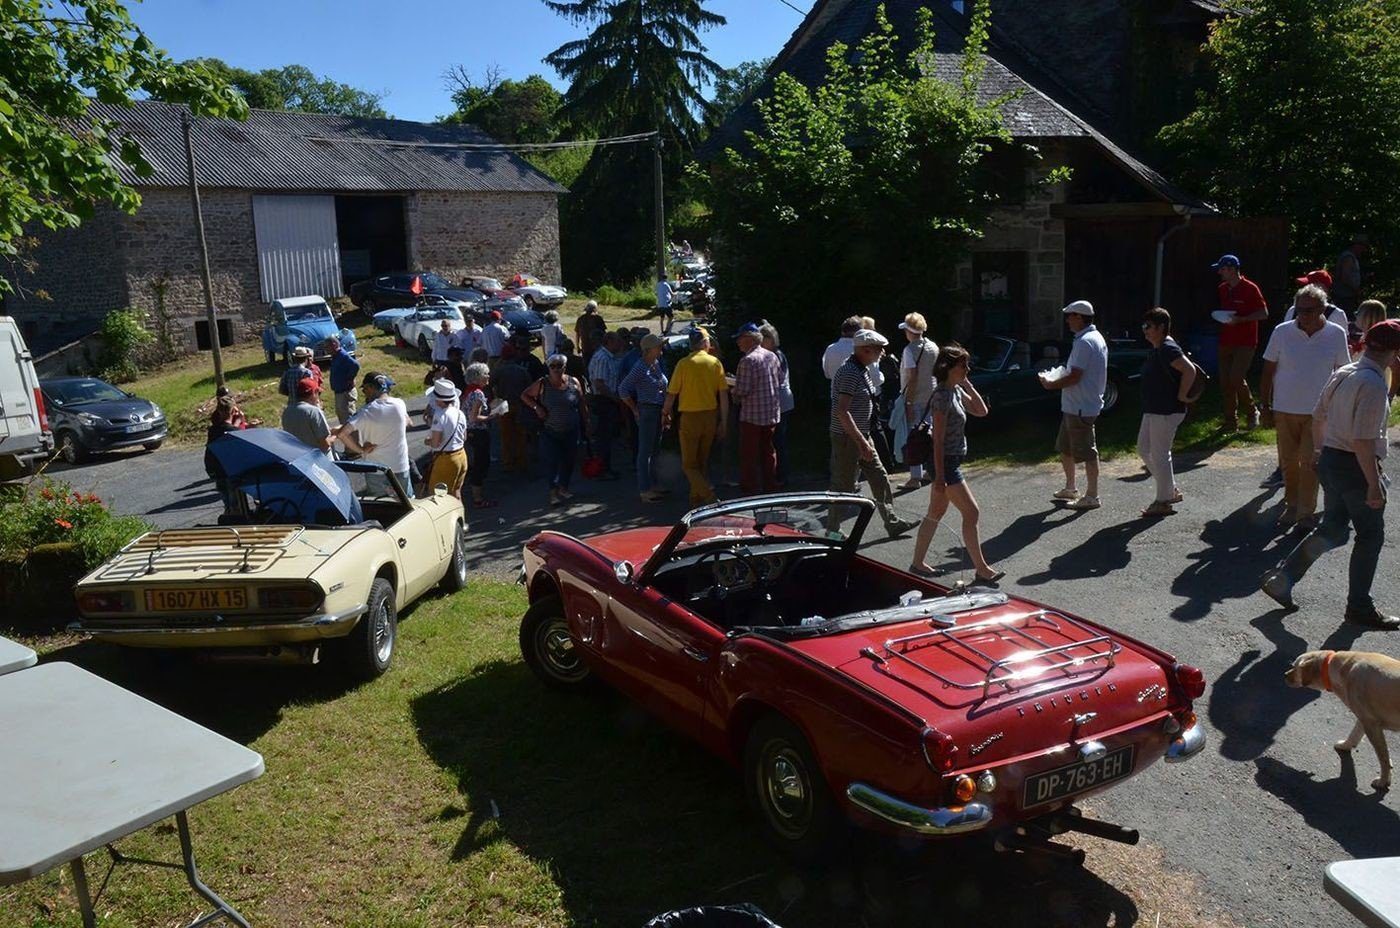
{"x":447,"y":439}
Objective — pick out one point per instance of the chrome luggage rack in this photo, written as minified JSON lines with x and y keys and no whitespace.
{"x":1095,"y":648}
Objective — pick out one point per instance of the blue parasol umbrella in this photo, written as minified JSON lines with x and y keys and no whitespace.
{"x":296,"y":482}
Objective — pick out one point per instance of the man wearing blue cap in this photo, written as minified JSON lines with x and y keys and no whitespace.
{"x":379,"y":431}
{"x":757,"y":381}
{"x":1239,"y":337}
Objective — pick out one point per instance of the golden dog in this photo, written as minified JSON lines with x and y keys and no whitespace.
{"x":1367,"y":684}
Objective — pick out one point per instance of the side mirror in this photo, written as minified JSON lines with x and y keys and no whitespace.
{"x":624,"y":571}
{"x":1014,"y":367}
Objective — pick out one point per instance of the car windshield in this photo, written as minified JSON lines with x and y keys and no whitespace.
{"x":434,"y":282}
{"x":487,"y":283}
{"x":989,"y":353}
{"x":831,"y":523}
{"x":308,"y":313}
{"x":439,"y":312}
{"x":87,"y":390}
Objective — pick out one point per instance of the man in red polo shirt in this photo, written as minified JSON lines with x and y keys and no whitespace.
{"x":1239,"y":337}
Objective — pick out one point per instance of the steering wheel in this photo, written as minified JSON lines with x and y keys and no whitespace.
{"x":718,"y":590}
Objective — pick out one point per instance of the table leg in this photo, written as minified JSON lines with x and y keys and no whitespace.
{"x":80,"y":886}
{"x":192,"y":874}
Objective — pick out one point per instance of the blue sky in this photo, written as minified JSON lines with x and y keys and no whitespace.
{"x":401,"y":47}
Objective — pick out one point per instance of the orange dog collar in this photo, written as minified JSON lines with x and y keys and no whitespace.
{"x":1327,"y":671}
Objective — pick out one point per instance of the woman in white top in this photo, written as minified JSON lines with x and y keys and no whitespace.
{"x":447,"y":438}
{"x":915,"y":385}
{"x":551,"y":333}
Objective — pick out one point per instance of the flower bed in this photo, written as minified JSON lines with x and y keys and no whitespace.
{"x":50,"y":535}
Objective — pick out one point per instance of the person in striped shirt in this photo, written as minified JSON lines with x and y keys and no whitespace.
{"x":757,"y":382}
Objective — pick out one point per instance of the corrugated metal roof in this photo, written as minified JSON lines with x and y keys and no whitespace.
{"x":277,"y":150}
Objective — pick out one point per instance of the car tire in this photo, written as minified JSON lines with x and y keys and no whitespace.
{"x":153,"y":445}
{"x":368,"y":307}
{"x":70,"y":449}
{"x":271,"y":357}
{"x":1113,"y":392}
{"x":549,"y":649}
{"x":425,"y":349}
{"x":784,"y":783}
{"x":369,"y":648}
{"x":456,"y":576}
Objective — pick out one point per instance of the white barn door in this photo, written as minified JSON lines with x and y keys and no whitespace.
{"x":298,"y":253}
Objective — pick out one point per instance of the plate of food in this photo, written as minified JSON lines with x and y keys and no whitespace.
{"x":1223,"y":316}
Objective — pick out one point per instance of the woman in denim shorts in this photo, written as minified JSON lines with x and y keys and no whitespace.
{"x":953,"y":399}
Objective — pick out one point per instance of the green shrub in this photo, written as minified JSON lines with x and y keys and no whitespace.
{"x":56,"y":514}
{"x":124,"y":336}
{"x":641,"y":294}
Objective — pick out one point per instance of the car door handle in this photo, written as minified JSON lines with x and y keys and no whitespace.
{"x":695,"y":654}
{"x":403,"y":542}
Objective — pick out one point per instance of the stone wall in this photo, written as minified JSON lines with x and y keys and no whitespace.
{"x":77,"y":278}
{"x":161,"y":253}
{"x":492,"y":234}
{"x":1031,"y":229}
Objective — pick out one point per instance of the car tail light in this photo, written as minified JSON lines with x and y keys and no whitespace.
{"x":43,"y":413}
{"x":109,"y":601}
{"x":964,"y":788}
{"x":1191,"y":680}
{"x":939,"y":750}
{"x":289,"y":597}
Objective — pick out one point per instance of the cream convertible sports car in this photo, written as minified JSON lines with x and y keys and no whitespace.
{"x":319,"y":554}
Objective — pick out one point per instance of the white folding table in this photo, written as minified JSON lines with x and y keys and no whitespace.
{"x":87,"y":763}
{"x":15,"y":656}
{"x":1368,"y":889}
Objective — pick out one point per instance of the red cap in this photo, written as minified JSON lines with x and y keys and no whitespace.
{"x":496,"y":315}
{"x":1319,"y":277}
{"x":1384,"y":335}
{"x":308,"y":387}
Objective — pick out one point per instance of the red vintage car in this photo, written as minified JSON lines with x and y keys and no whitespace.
{"x":849,"y":691}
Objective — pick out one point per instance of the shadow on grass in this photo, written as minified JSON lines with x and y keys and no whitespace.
{"x":633,"y":820}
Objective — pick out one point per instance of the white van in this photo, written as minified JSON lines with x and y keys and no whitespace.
{"x":25,"y":439}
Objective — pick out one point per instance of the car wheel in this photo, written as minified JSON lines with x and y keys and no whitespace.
{"x":152,"y":445}
{"x":367,"y":305}
{"x":548,"y":647}
{"x":370,"y":645}
{"x":785,"y":784}
{"x":456,"y":576}
{"x":70,"y":449}
{"x":1112,"y":393}
{"x":425,"y":349}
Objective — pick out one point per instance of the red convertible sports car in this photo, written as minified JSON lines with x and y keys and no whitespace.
{"x":849,"y":691}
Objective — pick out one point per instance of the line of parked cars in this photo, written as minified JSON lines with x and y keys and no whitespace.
{"x":392,"y":299}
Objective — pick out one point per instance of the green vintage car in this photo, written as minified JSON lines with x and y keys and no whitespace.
{"x":1006,"y":372}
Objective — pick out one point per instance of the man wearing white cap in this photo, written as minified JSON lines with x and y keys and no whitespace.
{"x":852,"y":415}
{"x":1081,"y":401}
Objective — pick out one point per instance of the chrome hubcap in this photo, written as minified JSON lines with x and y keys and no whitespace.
{"x":785,"y":785}
{"x":559,"y":653}
{"x":383,"y":634}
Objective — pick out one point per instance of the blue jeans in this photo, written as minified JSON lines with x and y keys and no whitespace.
{"x":605,"y":422}
{"x":1343,"y":508}
{"x":648,"y":438}
{"x":558,"y":451}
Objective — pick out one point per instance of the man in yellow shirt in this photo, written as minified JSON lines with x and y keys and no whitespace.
{"x":697,"y":390}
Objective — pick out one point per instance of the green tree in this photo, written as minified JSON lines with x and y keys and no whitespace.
{"x":735,"y":85}
{"x":1302,"y":119}
{"x":509,"y":111}
{"x":53,"y":154}
{"x":875,"y":174}
{"x":295,"y":87}
{"x":641,"y":68}
{"x":257,"y":87}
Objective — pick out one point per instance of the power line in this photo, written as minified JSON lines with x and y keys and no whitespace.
{"x":798,"y":10}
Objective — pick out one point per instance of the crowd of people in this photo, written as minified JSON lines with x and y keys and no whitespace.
{"x":601,"y":402}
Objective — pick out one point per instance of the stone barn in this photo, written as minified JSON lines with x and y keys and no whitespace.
{"x":293,"y":203}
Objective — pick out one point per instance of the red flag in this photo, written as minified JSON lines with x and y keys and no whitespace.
{"x":416,"y":288}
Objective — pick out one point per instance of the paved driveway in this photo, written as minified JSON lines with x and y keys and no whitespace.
{"x":1267,"y":805}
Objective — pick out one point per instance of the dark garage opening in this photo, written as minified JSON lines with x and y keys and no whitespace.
{"x":370,"y":231}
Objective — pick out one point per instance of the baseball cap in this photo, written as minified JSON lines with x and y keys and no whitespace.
{"x":308,"y":387}
{"x":867,"y":337}
{"x":748,"y":328}
{"x":496,"y":315}
{"x":381,"y":382}
{"x":1079,"y":308}
{"x":697,"y":338}
{"x":651,"y":340}
{"x":1384,"y":335}
{"x":1226,"y":261}
{"x":1319,"y":277}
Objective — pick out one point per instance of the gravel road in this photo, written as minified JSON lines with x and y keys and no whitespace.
{"x":1254,"y":818}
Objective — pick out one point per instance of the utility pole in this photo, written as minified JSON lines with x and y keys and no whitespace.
{"x":203,"y":258}
{"x":660,"y":209}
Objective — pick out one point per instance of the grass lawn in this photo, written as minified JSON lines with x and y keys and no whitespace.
{"x":458,"y":791}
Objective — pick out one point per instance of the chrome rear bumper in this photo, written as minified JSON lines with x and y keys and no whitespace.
{"x":944,"y":820}
{"x":310,"y":628}
{"x":1187,"y":744}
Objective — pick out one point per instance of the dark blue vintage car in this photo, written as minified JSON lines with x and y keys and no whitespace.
{"x":1007,"y":372}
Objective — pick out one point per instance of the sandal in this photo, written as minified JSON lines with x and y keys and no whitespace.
{"x":1158,"y":509}
{"x":994,"y":578}
{"x":1066,"y":494}
{"x":1085,"y":503}
{"x":919,"y":570}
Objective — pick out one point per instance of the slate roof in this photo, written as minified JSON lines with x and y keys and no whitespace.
{"x":1034,"y":113}
{"x":277,"y":150}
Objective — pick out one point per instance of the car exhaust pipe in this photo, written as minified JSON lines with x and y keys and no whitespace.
{"x":274,"y":655}
{"x":1074,"y":820}
{"x":1011,"y":841}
